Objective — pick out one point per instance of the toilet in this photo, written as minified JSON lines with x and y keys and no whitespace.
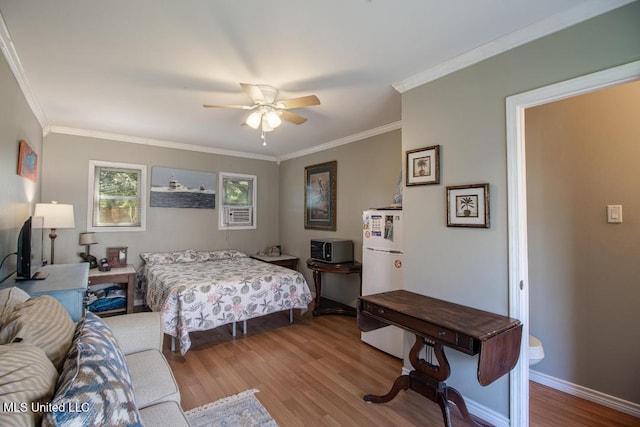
{"x":536,"y":352}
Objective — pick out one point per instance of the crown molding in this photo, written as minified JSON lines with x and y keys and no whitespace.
{"x":517,"y":38}
{"x":11,"y":55}
{"x":154,"y":142}
{"x":342,"y":141}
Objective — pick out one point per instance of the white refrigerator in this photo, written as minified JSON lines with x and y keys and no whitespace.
{"x":382,"y":258}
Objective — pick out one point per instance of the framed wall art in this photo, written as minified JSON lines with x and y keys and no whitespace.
{"x":320,"y":187}
{"x":423,"y":166}
{"x":181,"y":188}
{"x":27,"y":161}
{"x":117,"y":257}
{"x":468,"y":206}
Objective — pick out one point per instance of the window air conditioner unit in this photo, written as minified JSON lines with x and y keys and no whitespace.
{"x":238,"y":216}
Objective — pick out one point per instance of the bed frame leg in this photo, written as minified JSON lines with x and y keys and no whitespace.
{"x":244,"y":326}
{"x":173,"y":344}
{"x":233,"y":329}
{"x":291,"y":316}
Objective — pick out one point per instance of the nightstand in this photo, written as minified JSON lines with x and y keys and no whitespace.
{"x":125,"y":277}
{"x":287,"y":261}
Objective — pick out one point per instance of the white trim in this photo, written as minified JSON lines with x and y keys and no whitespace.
{"x":594,"y":396}
{"x":11,"y":55}
{"x":190,"y":147}
{"x":155,"y":142}
{"x":342,"y":141}
{"x":517,"y":207}
{"x":517,"y":38}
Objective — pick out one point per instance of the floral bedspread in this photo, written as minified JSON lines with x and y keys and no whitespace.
{"x":197,"y":296}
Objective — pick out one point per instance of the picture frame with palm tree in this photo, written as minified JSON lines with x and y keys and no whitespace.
{"x":423,"y":166}
{"x":468,"y":206}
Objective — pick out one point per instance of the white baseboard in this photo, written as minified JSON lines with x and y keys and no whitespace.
{"x":487,"y":414}
{"x":594,"y":396}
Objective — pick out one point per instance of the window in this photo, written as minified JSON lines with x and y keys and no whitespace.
{"x":237,"y":201}
{"x":116,"y":196}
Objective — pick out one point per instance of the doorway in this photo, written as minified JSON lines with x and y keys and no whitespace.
{"x":517,"y":207}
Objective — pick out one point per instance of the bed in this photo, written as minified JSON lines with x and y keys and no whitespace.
{"x":201,"y":290}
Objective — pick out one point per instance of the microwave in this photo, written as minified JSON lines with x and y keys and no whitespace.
{"x":332,"y":250}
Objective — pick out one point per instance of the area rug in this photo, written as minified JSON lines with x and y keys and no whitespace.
{"x":242,"y":409}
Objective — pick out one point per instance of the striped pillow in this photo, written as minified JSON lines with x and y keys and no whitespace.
{"x":26,"y":376}
{"x":44,"y":322}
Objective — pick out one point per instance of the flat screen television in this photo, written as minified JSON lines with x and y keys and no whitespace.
{"x":30,"y":251}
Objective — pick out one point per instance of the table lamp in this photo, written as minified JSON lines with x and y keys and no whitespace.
{"x":88,"y":239}
{"x":55,"y":215}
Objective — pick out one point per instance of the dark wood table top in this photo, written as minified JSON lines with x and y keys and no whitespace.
{"x":340,"y":267}
{"x":473,"y":322}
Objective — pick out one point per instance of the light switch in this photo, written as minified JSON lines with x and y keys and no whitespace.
{"x":614,"y":214}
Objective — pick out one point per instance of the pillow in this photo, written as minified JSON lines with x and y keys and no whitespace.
{"x":44,"y":322}
{"x":27,"y":382}
{"x":219,"y":254}
{"x":9,"y":298}
{"x":155,"y":258}
{"x":95,"y":379}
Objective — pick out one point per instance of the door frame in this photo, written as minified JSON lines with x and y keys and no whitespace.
{"x":517,"y":209}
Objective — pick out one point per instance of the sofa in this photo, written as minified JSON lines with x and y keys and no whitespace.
{"x":55,"y":372}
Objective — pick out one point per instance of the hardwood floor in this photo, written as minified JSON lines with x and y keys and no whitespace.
{"x":316,"y":371}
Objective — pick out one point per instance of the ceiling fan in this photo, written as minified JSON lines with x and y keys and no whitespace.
{"x":268,"y":110}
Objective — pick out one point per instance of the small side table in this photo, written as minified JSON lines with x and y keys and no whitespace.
{"x":320,"y":267}
{"x":124,"y":276}
{"x":287,"y":261}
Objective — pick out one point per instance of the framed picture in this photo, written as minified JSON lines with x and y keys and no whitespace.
{"x":320,"y":188}
{"x":468,"y":206}
{"x":181,"y":188}
{"x":423,"y":166}
{"x":117,"y":257}
{"x":27,"y":162}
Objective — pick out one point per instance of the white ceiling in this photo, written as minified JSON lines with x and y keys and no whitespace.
{"x":140,"y":70}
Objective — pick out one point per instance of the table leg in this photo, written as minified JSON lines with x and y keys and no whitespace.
{"x":317,"y":280}
{"x":401,"y":383}
{"x":455,"y":396}
{"x":130,"y":292}
{"x":428,"y":380}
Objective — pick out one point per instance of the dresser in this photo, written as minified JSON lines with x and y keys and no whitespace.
{"x":66,"y":282}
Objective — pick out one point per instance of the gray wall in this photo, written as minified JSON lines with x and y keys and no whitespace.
{"x":368,"y":171}
{"x":65,"y":179}
{"x":582,"y":155}
{"x":17,"y":194}
{"x":464,"y":112}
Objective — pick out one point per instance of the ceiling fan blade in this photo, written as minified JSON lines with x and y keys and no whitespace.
{"x":293,"y":118}
{"x":303,"y":101}
{"x":254,"y":92}
{"x":233,"y":107}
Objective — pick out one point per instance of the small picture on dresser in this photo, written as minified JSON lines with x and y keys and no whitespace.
{"x":117,"y":257}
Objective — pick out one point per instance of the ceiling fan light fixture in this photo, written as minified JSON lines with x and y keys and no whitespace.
{"x":273,"y":119}
{"x":266,"y":126}
{"x":254,"y":119}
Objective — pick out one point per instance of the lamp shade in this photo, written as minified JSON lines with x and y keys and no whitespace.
{"x":273,"y":119}
{"x":254,"y":119}
{"x":88,"y":239}
{"x":55,"y":215}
